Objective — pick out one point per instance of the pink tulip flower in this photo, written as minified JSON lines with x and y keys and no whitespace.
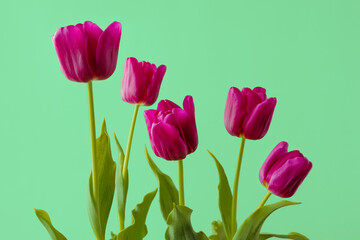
{"x":141,"y":82}
{"x":283,"y":171}
{"x":248,"y":112}
{"x":86,"y":52}
{"x":172,"y":130}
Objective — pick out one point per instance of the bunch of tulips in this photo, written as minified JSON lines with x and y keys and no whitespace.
{"x":86,"y":53}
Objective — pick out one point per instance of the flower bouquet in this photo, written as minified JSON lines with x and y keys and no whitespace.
{"x":86,"y":53}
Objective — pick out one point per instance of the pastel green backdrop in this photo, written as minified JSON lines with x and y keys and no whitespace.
{"x":305,"y":53}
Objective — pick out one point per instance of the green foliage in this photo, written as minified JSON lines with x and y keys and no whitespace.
{"x":99,"y":206}
{"x":218,"y":231}
{"x":225,"y":197}
{"x":292,"y":235}
{"x":45,"y":220}
{"x":137,"y":230}
{"x":180,"y":225}
{"x":121,"y":183}
{"x":113,"y":236}
{"x":251,"y":227}
{"x":168,"y":193}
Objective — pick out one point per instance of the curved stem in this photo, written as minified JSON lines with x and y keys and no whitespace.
{"x":236,"y":185}
{"x":93,"y":138}
{"x":181,"y":183}
{"x":267,"y":195}
{"x":128,"y":146}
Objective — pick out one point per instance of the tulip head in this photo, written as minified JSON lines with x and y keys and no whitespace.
{"x":141,"y":82}
{"x":86,"y":52}
{"x":283,"y":171}
{"x":248,"y":112}
{"x":172,"y":130}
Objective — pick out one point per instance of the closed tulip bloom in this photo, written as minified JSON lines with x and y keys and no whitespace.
{"x":172,"y":130}
{"x":141,"y":82}
{"x":248,"y":112}
{"x":86,"y":52}
{"x":283,"y":171}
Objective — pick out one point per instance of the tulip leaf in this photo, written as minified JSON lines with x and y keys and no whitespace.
{"x":137,"y":230}
{"x":292,"y":235}
{"x":45,"y":220}
{"x":99,"y":206}
{"x":113,"y":236}
{"x":218,"y":231}
{"x":121,"y":182}
{"x":225,"y":197}
{"x":251,"y":227}
{"x":180,"y":225}
{"x":168,"y":193}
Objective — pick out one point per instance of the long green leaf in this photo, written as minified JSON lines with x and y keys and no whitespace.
{"x":45,"y":220}
{"x":218,"y":231}
{"x":137,"y":230}
{"x":251,"y":227}
{"x":168,"y":193}
{"x":225,"y":197}
{"x":99,"y":207}
{"x":180,"y":225}
{"x":121,"y":182}
{"x":292,"y":235}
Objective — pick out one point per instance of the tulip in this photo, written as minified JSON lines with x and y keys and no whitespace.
{"x":141,"y":82}
{"x":86,"y":52}
{"x":283,"y":171}
{"x":248,"y":113}
{"x":172,"y":130}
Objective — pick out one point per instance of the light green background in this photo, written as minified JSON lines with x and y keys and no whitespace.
{"x":305,"y":53}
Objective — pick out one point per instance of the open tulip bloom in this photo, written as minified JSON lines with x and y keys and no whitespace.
{"x":87,"y":53}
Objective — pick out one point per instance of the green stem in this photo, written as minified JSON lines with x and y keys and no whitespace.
{"x":128,"y":146}
{"x":268,"y":194}
{"x":122,"y":222}
{"x":236,"y":185}
{"x":93,"y":138}
{"x":181,"y":183}
{"x":124,"y":170}
{"x":93,"y":147}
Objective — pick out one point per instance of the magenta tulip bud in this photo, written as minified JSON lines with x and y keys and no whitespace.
{"x":248,"y":112}
{"x":172,"y":130}
{"x":86,"y":52}
{"x":283,"y":171}
{"x":141,"y":82}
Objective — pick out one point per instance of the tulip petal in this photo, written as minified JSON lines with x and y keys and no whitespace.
{"x":252,"y":99}
{"x":186,"y":127}
{"x":279,"y":162}
{"x":280,"y":150}
{"x":153,"y":88}
{"x":71,"y":48}
{"x":150,"y":118}
{"x":132,"y":86}
{"x":167,"y":142}
{"x":190,"y":130}
{"x":93,"y":32}
{"x":188,"y":105}
{"x":260,"y":119}
{"x":107,"y":51}
{"x":286,"y":180}
{"x":234,"y":111}
{"x":166,"y":105}
{"x":148,"y":70}
{"x":261,"y":92}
